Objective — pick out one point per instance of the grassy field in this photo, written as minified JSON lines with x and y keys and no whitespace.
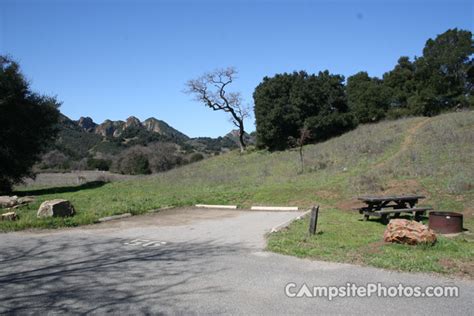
{"x":431,"y":156}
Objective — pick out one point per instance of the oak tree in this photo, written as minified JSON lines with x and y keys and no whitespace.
{"x":28,"y":123}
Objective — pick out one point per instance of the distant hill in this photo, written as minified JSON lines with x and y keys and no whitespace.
{"x":82,"y":140}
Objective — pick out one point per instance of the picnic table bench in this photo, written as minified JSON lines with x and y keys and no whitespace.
{"x":384,"y":206}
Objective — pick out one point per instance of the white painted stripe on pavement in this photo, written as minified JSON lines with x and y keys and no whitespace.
{"x":274,"y":208}
{"x":233,"y":207}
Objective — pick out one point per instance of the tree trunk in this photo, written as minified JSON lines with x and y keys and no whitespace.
{"x":301,"y":159}
{"x":241,"y":137}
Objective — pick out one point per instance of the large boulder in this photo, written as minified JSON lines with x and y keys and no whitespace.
{"x":408,"y":232}
{"x":8,"y":201}
{"x":56,"y":208}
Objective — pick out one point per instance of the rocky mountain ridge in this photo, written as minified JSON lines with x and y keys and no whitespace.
{"x":110,"y":128}
{"x":83,"y":144}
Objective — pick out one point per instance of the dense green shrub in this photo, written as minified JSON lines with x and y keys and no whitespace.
{"x":99,"y":164}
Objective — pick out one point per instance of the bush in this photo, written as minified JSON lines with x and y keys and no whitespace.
{"x":196,"y":157}
{"x":155,"y":157}
{"x":54,"y":160}
{"x":133,"y":161}
{"x":99,"y":164}
{"x":164,"y":156}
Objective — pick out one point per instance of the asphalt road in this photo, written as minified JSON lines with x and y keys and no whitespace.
{"x":190,"y":262}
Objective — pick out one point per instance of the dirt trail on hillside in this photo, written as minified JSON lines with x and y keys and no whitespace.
{"x":409,"y":136}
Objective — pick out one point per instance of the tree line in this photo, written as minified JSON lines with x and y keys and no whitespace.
{"x":326,"y":105}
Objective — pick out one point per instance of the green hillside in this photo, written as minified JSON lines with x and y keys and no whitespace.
{"x":432,"y":156}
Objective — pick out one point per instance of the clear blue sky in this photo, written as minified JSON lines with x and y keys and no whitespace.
{"x":112,"y":59}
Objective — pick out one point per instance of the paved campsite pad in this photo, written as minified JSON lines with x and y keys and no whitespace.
{"x":187,"y":261}
{"x":170,"y":217}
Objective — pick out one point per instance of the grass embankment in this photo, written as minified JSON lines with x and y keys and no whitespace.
{"x":431,"y":156}
{"x":343,"y":237}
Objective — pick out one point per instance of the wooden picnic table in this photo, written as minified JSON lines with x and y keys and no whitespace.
{"x":383,"y":206}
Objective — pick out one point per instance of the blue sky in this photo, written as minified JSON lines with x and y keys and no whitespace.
{"x":112,"y":59}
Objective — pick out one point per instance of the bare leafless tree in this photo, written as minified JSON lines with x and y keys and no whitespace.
{"x":210,"y":89}
{"x":304,"y":136}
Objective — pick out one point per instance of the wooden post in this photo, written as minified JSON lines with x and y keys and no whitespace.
{"x":314,"y":220}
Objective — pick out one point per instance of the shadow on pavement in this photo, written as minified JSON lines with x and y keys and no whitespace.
{"x":88,"y":277}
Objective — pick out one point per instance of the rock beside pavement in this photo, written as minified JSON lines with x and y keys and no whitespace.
{"x":10,"y":216}
{"x":56,"y":208}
